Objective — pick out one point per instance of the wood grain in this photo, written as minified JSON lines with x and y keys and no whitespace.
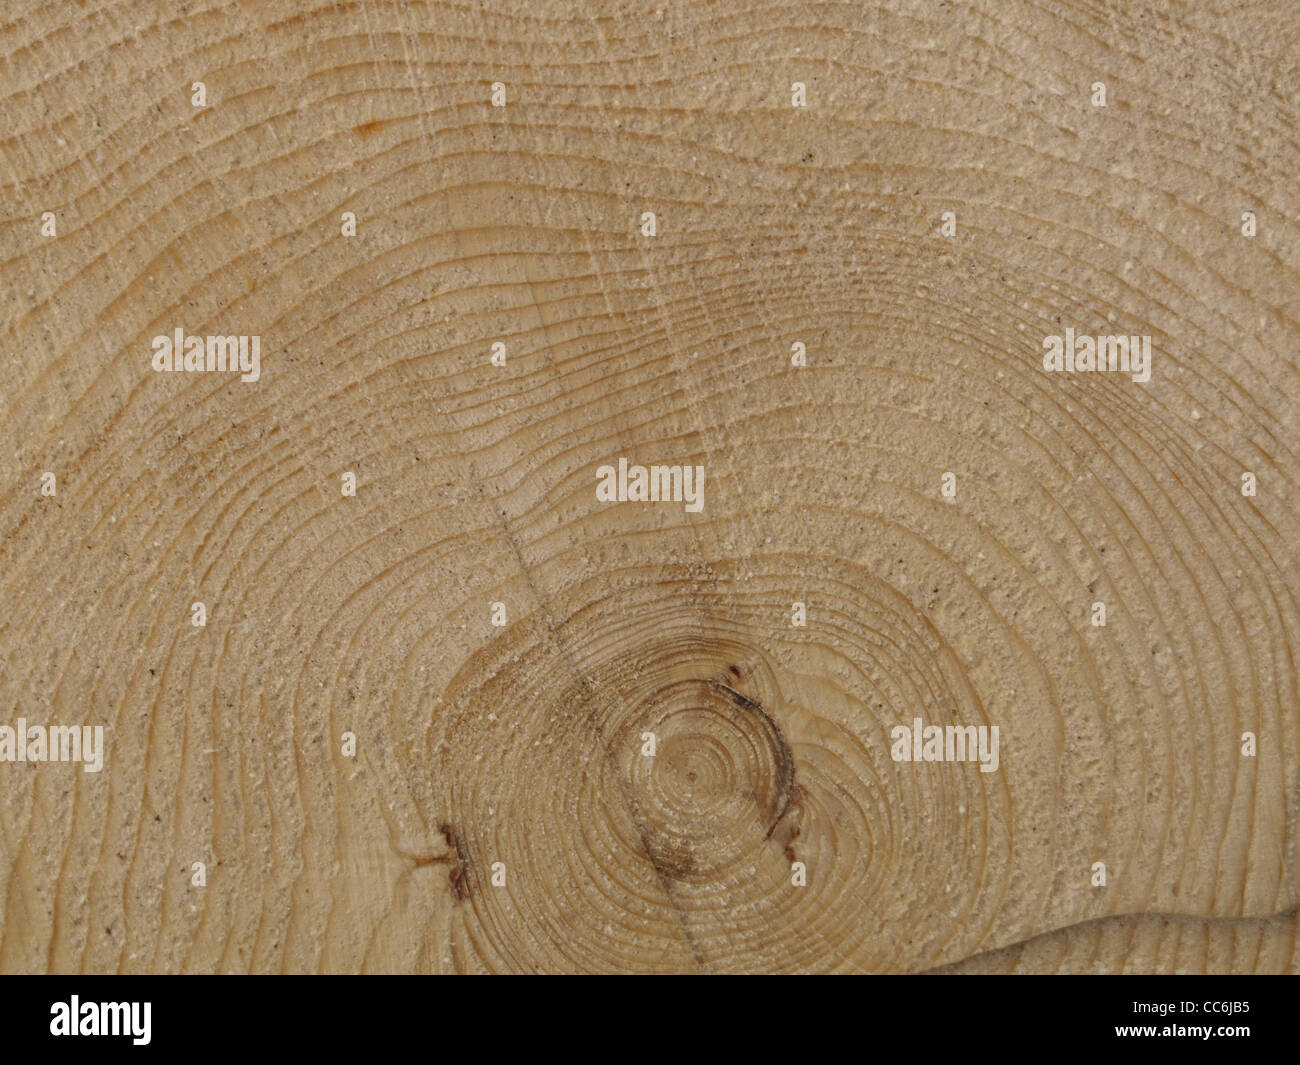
{"x":521,"y":744}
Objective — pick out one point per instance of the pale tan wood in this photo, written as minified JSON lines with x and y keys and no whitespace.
{"x":522,"y":744}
